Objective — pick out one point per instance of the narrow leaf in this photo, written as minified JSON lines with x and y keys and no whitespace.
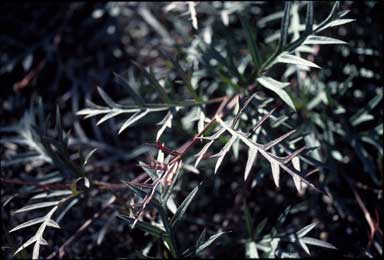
{"x":309,"y":18}
{"x":337,"y":22}
{"x":278,"y":140}
{"x":135,"y":117}
{"x":285,"y":25}
{"x":304,"y":246}
{"x":26,"y":244}
{"x":292,"y":59}
{"x":28,"y":223}
{"x":315,"y":39}
{"x":37,"y":206}
{"x":275,"y":172}
{"x":251,"y":41}
{"x":154,"y":83}
{"x":153,"y":230}
{"x":107,"y":99}
{"x":183,"y":206}
{"x":317,"y":242}
{"x":89,"y":155}
{"x":57,"y":193}
{"x":252,"y":154}
{"x":137,"y":98}
{"x":251,"y":250}
{"x":305,"y":230}
{"x":202,"y":152}
{"x":52,"y":223}
{"x":210,"y":240}
{"x":277,"y":87}
{"x":261,"y":121}
{"x":108,"y":116}
{"x":224,"y":151}
{"x":296,"y":179}
{"x":166,"y":122}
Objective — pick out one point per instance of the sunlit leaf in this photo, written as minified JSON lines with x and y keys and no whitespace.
{"x":293,"y":59}
{"x":275,"y":172}
{"x":37,"y":206}
{"x":277,"y":87}
{"x":315,"y":39}
{"x":317,"y":242}
{"x":252,"y":154}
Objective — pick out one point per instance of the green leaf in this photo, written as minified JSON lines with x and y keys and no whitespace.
{"x":37,"y":206}
{"x":251,"y":41}
{"x":337,"y":22}
{"x":277,"y":87}
{"x":285,"y":25}
{"x":201,"y":238}
{"x":26,"y":244}
{"x":135,"y":117}
{"x":231,"y":68}
{"x":309,"y":18}
{"x":278,"y":140}
{"x":106,"y":98}
{"x":154,"y":83}
{"x":361,"y":119}
{"x":210,"y":240}
{"x":260,"y":227}
{"x":108,"y":116}
{"x":251,"y":250}
{"x":153,"y":230}
{"x":329,"y":17}
{"x":165,"y":122}
{"x":223,"y":152}
{"x":151,"y":172}
{"x":183,"y":206}
{"x":315,"y":39}
{"x":275,"y":172}
{"x":292,"y":59}
{"x":139,"y":191}
{"x":58,"y":125}
{"x":89,"y":155}
{"x":28,"y":223}
{"x":248,"y":221}
{"x":252,"y":154}
{"x":56,"y":193}
{"x":137,"y":98}
{"x":305,"y":230}
{"x":296,"y":179}
{"x":186,"y":76}
{"x":317,"y":242}
{"x":304,"y":246}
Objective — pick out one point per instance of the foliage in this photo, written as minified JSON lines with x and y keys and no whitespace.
{"x":261,"y":97}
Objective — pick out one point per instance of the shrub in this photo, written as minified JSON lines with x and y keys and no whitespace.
{"x":227,"y":87}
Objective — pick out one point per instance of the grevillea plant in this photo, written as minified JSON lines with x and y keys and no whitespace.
{"x":246,"y":118}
